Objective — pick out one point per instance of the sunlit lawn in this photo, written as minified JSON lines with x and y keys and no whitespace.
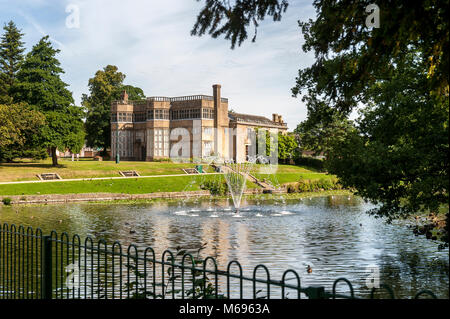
{"x":287,"y":174}
{"x":122,"y":186}
{"x":67,"y":169}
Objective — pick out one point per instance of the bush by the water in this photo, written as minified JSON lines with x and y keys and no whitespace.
{"x":305,"y":185}
{"x":6,"y":201}
{"x":216,"y":187}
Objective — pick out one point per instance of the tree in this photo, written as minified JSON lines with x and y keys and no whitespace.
{"x":287,"y":145}
{"x":351,"y":62}
{"x":399,"y":155}
{"x":238,"y":18}
{"x":319,"y":136}
{"x":359,"y":55}
{"x":20,"y":132}
{"x":11,"y":56}
{"x":105,"y":87}
{"x":39,"y":84}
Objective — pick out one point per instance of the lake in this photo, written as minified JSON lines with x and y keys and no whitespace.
{"x":333,"y":235}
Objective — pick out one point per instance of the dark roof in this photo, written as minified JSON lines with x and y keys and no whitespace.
{"x":239,"y":117}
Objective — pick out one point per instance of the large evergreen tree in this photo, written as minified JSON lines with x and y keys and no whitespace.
{"x":39,"y":84}
{"x":11,"y":56}
{"x":105,"y":87}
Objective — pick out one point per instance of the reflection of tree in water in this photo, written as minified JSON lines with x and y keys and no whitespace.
{"x":409,"y":272}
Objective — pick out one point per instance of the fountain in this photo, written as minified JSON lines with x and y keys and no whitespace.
{"x":236,"y":176}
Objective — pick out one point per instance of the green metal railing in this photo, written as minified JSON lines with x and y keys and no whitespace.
{"x":37,"y":266}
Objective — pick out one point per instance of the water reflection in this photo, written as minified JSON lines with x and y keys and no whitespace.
{"x":331,"y":234}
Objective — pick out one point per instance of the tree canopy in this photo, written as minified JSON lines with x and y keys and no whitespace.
{"x":11,"y":56}
{"x":399,"y":154}
{"x":320,"y":136}
{"x":105,"y":87}
{"x":398,"y":74}
{"x":287,"y":145}
{"x":39,"y":84}
{"x":20,"y":132}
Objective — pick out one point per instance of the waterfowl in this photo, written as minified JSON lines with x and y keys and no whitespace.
{"x":309,"y":269}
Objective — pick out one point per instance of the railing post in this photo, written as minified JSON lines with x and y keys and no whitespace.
{"x":315,"y":292}
{"x":47,"y":267}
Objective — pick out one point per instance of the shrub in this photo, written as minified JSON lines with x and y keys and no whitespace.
{"x":6,"y":201}
{"x":303,"y":186}
{"x":216,"y":187}
{"x":326,"y":184}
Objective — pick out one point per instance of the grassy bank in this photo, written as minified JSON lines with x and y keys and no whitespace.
{"x":27,"y":170}
{"x":121,"y":186}
{"x":288,"y":174}
{"x":23,"y":171}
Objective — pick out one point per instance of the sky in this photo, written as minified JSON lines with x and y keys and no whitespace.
{"x":150,"y":42}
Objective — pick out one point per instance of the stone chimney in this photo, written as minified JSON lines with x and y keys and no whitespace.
{"x":124,"y":96}
{"x":280,"y":119}
{"x":275,"y":117}
{"x":217,"y":105}
{"x":221,"y":120}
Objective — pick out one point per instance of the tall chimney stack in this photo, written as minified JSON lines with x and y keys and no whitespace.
{"x":276,"y":118}
{"x":220,"y":120}
{"x":124,"y":96}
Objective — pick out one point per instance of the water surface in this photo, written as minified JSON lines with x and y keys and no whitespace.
{"x":333,"y":234}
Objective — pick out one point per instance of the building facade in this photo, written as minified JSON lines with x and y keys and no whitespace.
{"x":148,"y":129}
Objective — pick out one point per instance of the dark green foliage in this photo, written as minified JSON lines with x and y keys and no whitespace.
{"x":319,"y":133}
{"x":311,"y":162}
{"x":238,"y":18}
{"x":287,"y":145}
{"x":323,"y":184}
{"x":106,"y":86}
{"x":21,"y":132}
{"x":134,"y":93}
{"x":6,"y":201}
{"x":11,"y":57}
{"x":400,"y":155}
{"x":39,"y":84}
{"x":349,"y":56}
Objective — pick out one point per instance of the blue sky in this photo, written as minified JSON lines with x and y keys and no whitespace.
{"x":150,"y":42}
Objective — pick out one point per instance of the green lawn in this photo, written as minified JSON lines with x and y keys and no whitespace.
{"x":288,"y":174}
{"x":124,"y":186}
{"x":67,"y":169}
{"x":88,"y":168}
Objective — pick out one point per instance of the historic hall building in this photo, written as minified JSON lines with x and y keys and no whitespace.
{"x":146,"y":129}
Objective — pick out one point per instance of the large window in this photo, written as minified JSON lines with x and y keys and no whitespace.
{"x":208,"y":113}
{"x":139,"y":117}
{"x":158,"y":114}
{"x":186,"y":114}
{"x":125,"y":117}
